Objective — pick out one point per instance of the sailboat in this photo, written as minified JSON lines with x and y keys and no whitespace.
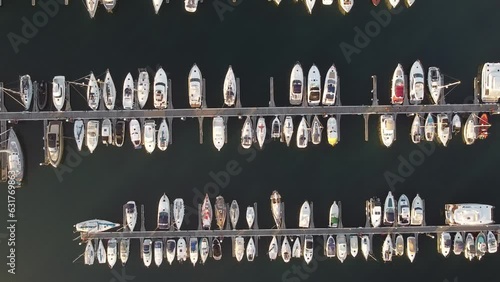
{"x":239,"y":248}
{"x":273,"y":249}
{"x":302,"y":134}
{"x":109,"y":5}
{"x":416,"y":83}
{"x":26,"y":90}
{"x":334,"y":215}
{"x":276,"y":208}
{"x":219,"y":132}
{"x":247,"y":135}
{"x":157,"y":5}
{"x":109,"y":91}
{"x":387,"y":128}
{"x":389,"y":209}
{"x":305,"y":215}
{"x":59,"y":92}
{"x":276,"y":128}
{"x":416,"y":130}
{"x":195,"y":87}
{"x":79,"y":132}
{"x":469,"y":132}
{"x":128,"y":93}
{"x":429,"y":128}
{"x":163,"y":213}
{"x":124,"y":250}
{"x":229,"y":89}
{"x":178,"y":212}
{"x":330,"y":87}
{"x":92,"y":7}
{"x":387,"y":249}
{"x":160,"y":89}
{"x":296,"y":249}
{"x":107,"y":132}
{"x":398,"y":86}
{"x":313,"y":86}
{"x":483,"y":126}
{"x":261,"y":131}
{"x":234,"y":213}
{"x":191,"y":5}
{"x":456,"y":124}
{"x":163,"y":136}
{"x":296,"y":84}
{"x":95,"y":226}
{"x":101,"y":253}
{"x":92,"y":138}
{"x":112,"y":252}
{"x":435,"y":82}
{"x":250,"y":217}
{"x":135,"y":133}
{"x":15,"y":159}
{"x":310,"y":5}
{"x":410,"y":2}
{"x":93,"y":93}
{"x":400,"y":245}
{"x":286,"y":250}
{"x":206,"y":213}
{"x":277,"y":2}
{"x":250,"y":251}
{"x":288,"y":130}
{"x":149,"y":136}
{"x":332,"y":131}
{"x":220,"y":212}
{"x":143,"y":85}
{"x":443,"y":129}
{"x":317,"y":129}
{"x":394,"y":3}
{"x":346,"y":5}
{"x":365,"y":246}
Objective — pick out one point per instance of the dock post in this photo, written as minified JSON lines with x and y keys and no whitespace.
{"x":143,"y":228}
{"x":374,"y":91}
{"x":340,"y":225}
{"x":3,"y":146}
{"x":2,"y":98}
{"x":366,"y":117}
{"x":200,"y":225}
{"x":423,"y":213}
{"x":367,"y":213}
{"x":338,"y":127}
{"x":170,"y":105}
{"x":283,"y":224}
{"x":256,"y":226}
{"x":45,"y":149}
{"x":405,"y":91}
{"x":311,"y":220}
{"x":225,"y":120}
{"x":68,"y":97}
{"x":35,"y":97}
{"x":238,"y":95}
{"x":304,"y":93}
{"x":272,"y":104}
{"x":200,"y":122}
{"x":441,"y":92}
{"x":476,"y":91}
{"x":203,"y":95}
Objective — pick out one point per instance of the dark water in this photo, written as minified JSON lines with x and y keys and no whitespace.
{"x":259,"y":40}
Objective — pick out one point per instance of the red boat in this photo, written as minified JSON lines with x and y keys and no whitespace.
{"x":375,"y":2}
{"x":483,"y":126}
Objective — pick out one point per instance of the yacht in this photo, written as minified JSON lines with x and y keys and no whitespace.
{"x":443,"y":128}
{"x":93,"y":93}
{"x":124,"y":250}
{"x":171,"y":250}
{"x":375,"y":209}
{"x":483,"y":127}
{"x":492,"y":242}
{"x":43,"y":94}
{"x":365,"y":246}
{"x":481,"y":246}
{"x":157,"y":5}
{"x":234,"y":213}
{"x":15,"y":159}
{"x":288,"y":130}
{"x":219,"y":132}
{"x":435,"y":83}
{"x":92,"y":7}
{"x":341,"y":247}
{"x":239,"y":248}
{"x":403,"y":210}
{"x":310,"y":5}
{"x":468,"y":214}
{"x":417,"y":211}
{"x":400,"y":245}
{"x":334,"y":215}
{"x":326,"y":2}
{"x":398,"y":86}
{"x":163,"y":213}
{"x":276,"y":128}
{"x":411,"y":247}
{"x":469,"y":132}
{"x":346,"y":5}
{"x":317,"y":130}
{"x":109,"y":91}
{"x":332,"y":131}
{"x":416,"y":130}
{"x":149,"y":136}
{"x":456,"y":124}
{"x":308,"y":249}
{"x":458,"y":244}
{"x":92,"y":138}
{"x":389,"y":209}
{"x":387,"y":249}
{"x":204,"y":250}
{"x":195,"y":87}
{"x":79,"y":133}
{"x":220,"y":212}
{"x":305,"y":215}
{"x":131,"y":215}
{"x":181,"y":250}
{"x":273,"y":249}
{"x":429,"y":128}
{"x":160,"y":89}
{"x":387,"y":129}
{"x":302,"y":134}
{"x":109,"y":5}
{"x":490,"y":78}
{"x":410,"y":2}
{"x":206,"y":213}
{"x":26,"y":90}
{"x":330,"y":87}
{"x":178,"y":211}
{"x":95,"y":225}
{"x":394,"y":3}
{"x":59,"y":92}
{"x":313,"y":86}
{"x":193,"y":250}
{"x":416,"y":83}
{"x":296,"y":249}
{"x":158,"y":252}
{"x":112,"y":252}
{"x":470,"y":248}
{"x":250,"y":251}
{"x":143,"y":86}
{"x":276,"y":209}
{"x":286,"y":250}
{"x":101,"y":253}
{"x":250,"y":216}
{"x":119,"y":133}
{"x":216,"y":249}
{"x":135,"y":133}
{"x":445,"y":243}
{"x":163,"y":136}
{"x":230,"y":90}
{"x":330,"y":247}
{"x":261,"y":131}
{"x":296,"y":85}
{"x":247,"y":134}
{"x":191,"y":5}
{"x":107,"y":132}
{"x":128,"y":93}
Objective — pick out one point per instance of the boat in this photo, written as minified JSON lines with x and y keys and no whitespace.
{"x":458,"y":244}
{"x":308,"y":249}
{"x":332,"y":131}
{"x":276,"y":128}
{"x":119,"y":133}
{"x":93,"y":93}
{"x":445,"y":243}
{"x":410,"y":2}
{"x":325,"y":2}
{"x":416,"y":130}
{"x":296,"y":249}
{"x":403,"y":211}
{"x":128,"y":93}
{"x":109,"y":91}
{"x":305,"y":215}
{"x":216,"y":249}
{"x":387,"y":129}
{"x":490,"y":77}
{"x":230,"y":90}
{"x":330,"y":87}
{"x":481,"y":246}
{"x":206,"y":213}
{"x":171,"y":249}
{"x":143,"y":86}
{"x":239,"y":248}
{"x":112,"y":252}
{"x":195,"y":87}
{"x":157,"y":5}
{"x":330,"y":247}
{"x":92,"y":138}
{"x":273,"y":249}
{"x":375,"y":2}
{"x":107,"y":132}
{"x":43,"y":94}
{"x":59,"y":92}
{"x":109,"y":5}
{"x":234,"y":213}
{"x":181,"y":250}
{"x":398,"y":86}
{"x":286,"y":250}
{"x":250,"y":251}
{"x":277,"y":2}
{"x":400,"y":245}
{"x":491,"y":242}
{"x":135,"y":133}
{"x":163,"y":136}
{"x":394,"y":3}
{"x":296,"y":85}
{"x":15,"y":160}
{"x":334,"y":215}
{"x":429,"y":128}
{"x":416,"y":83}
{"x":79,"y":133}
{"x":387,"y":249}
{"x":483,"y":127}
{"x":375,"y":209}
{"x":178,"y":211}
{"x":365,"y":246}
{"x":95,"y":225}
{"x":341,"y":247}
{"x":435,"y":83}
{"x":220,"y":211}
{"x":456,"y":124}
{"x":124,"y":250}
{"x":389,"y":209}
{"x":317,"y":129}
{"x":302,"y":134}
{"x":193,"y":250}
{"x":470,"y":248}
{"x":443,"y":129}
{"x":346,"y":5}
{"x":163,"y":213}
{"x":469,"y":132}
{"x":26,"y":90}
{"x":191,"y":5}
{"x":261,"y":131}
{"x":149,"y":136}
{"x":276,"y":209}
{"x":310,"y":5}
{"x":131,"y":215}
{"x":219,"y":132}
{"x":247,"y":136}
{"x":250,"y":216}
{"x":204,"y":250}
{"x":158,"y":252}
{"x":92,"y":7}
{"x":288,"y":130}
{"x":468,"y":214}
{"x":313,"y":86}
{"x":411,"y":248}
{"x":160,"y":89}
{"x":417,"y":211}
{"x":101,"y":253}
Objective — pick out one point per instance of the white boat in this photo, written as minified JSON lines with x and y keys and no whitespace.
{"x":15,"y":159}
{"x":131,"y":215}
{"x":296,"y":85}
{"x":481,"y":247}
{"x":346,"y":5}
{"x":93,"y":93}
{"x":92,"y":138}
{"x":313,"y":86}
{"x":443,"y":129}
{"x":387,"y":129}
{"x":490,"y":80}
{"x":302,"y":134}
{"x":143,"y":85}
{"x":109,"y":91}
{"x":310,"y":5}
{"x":365,"y":246}
{"x":206,"y":213}
{"x":163,"y":213}
{"x":109,"y":5}
{"x":330,"y":247}
{"x":334,"y":215}
{"x":128,"y":93}
{"x":277,"y":2}
{"x":124,"y":250}
{"x":107,"y":132}
{"x":119,"y":133}
{"x":417,"y":211}
{"x":375,"y":210}
{"x":435,"y":83}
{"x":394,"y":3}
{"x":332,"y":131}
{"x":250,"y":216}
{"x":92,"y":7}
{"x":79,"y":133}
{"x":191,"y":5}
{"x":403,"y":210}
{"x":353,"y":244}
{"x":416,"y":129}
{"x":456,"y":124}
{"x":171,"y":250}
{"x":95,"y":225}
{"x":400,"y":245}
{"x":387,"y":249}
{"x":308,"y":249}
{"x":469,"y":214}
{"x":260,"y":131}
{"x":149,"y":136}
{"x":316,"y":131}
{"x":445,"y":243}
{"x":101,"y":253}
{"x":276,"y":208}
{"x":276,"y":128}
{"x":458,"y":244}
{"x":470,"y":132}
{"x":330,"y":87}
{"x":398,"y":86}
{"x":220,"y":212}
{"x":216,"y":249}
{"x":417,"y":83}
{"x":234,"y":213}
{"x":158,"y":252}
{"x":239,"y":248}
{"x":389,"y":209}
{"x":410,"y":2}
{"x":160,"y":89}
{"x":163,"y":136}
{"x":147,"y":253}
{"x":181,"y":250}
{"x":26,"y":90}
{"x":247,"y":134}
{"x":193,"y":250}
{"x":286,"y":250}
{"x":296,"y":249}
{"x":195,"y":87}
{"x":305,"y":215}
{"x":219,"y":132}
{"x":157,"y":5}
{"x":135,"y":133}
{"x":326,"y":2}
{"x":204,"y":250}
{"x":229,"y":89}
{"x":178,"y":211}
{"x":341,"y":247}
{"x":491,"y":242}
{"x":429,"y":128}
{"x":288,"y":130}
{"x":470,"y":249}
{"x":59,"y":92}
{"x":250,"y":251}
{"x":411,"y":248}
{"x":111,"y":252}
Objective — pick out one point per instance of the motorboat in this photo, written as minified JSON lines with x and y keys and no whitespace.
{"x":95,"y":225}
{"x":260,"y":131}
{"x":143,"y":85}
{"x":490,"y":78}
{"x":219,"y":132}
{"x":470,"y":132}
{"x":163,"y":136}
{"x":456,"y":124}
{"x":296,"y":249}
{"x":387,"y":249}
{"x":305,"y":215}
{"x":26,"y":91}
{"x":492,"y":242}
{"x":135,"y":133}
{"x":302,"y":134}
{"x":276,"y":128}
{"x":416,"y":129}
{"x":375,"y":209}
{"x":216,"y":249}
{"x":171,"y":250}
{"x":288,"y":130}
{"x":239,"y":248}
{"x":470,"y":247}
{"x":286,"y":250}
{"x":394,"y":3}
{"x":182,"y":252}
{"x":107,"y":132}
{"x":131,"y":215}
{"x":276,"y":209}
{"x":410,"y":2}
{"x":158,"y":252}
{"x":458,"y":244}
{"x":310,"y":5}
{"x":330,"y":247}
{"x":128,"y":93}
{"x":59,"y":92}
{"x":273,"y":249}
{"x":195,"y":87}
{"x":234,"y":213}
{"x":277,"y":2}
{"x":316,"y":131}
{"x":43,"y":94}
{"x":101,"y":253}
{"x":341,"y":247}
{"x":149,"y":136}
{"x":119,"y":133}
{"x":332,"y":131}
{"x":109,"y":5}
{"x":365,"y":246}
{"x":160,"y":89}
{"x":403,"y":211}
{"x":400,"y":245}
{"x":468,"y":214}
{"x":230,"y":90}
{"x":481,"y":246}
{"x":109,"y":91}
{"x":443,"y":129}
{"x":111,"y":252}
{"x":326,"y":2}
{"x":313,"y":86}
{"x":387,"y":129}
{"x":435,"y":83}
{"x":15,"y":159}
{"x":483,"y":127}
{"x":389,"y":209}
{"x":247,"y":134}
{"x":445,"y":243}
{"x":93,"y":93}
{"x":92,"y":138}
{"x":330,"y":87}
{"x":124,"y":250}
{"x":334,"y":215}
{"x":163,"y":213}
{"x":193,"y":250}
{"x":429,"y":128}
{"x":220,"y":212}
{"x":250,"y":251}
{"x":92,"y":7}
{"x":250,"y":216}
{"x":204,"y":250}
{"x":206,"y":213}
{"x":178,"y":212}
{"x":416,"y":83}
{"x":346,"y":5}
{"x":308,"y":249}
{"x":157,"y":5}
{"x":296,"y":85}
{"x":191,"y":5}
{"x":417,"y":211}
{"x":398,"y":86}
{"x":411,"y":248}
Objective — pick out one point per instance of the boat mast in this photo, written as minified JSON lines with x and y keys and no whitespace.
{"x":448,"y":85}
